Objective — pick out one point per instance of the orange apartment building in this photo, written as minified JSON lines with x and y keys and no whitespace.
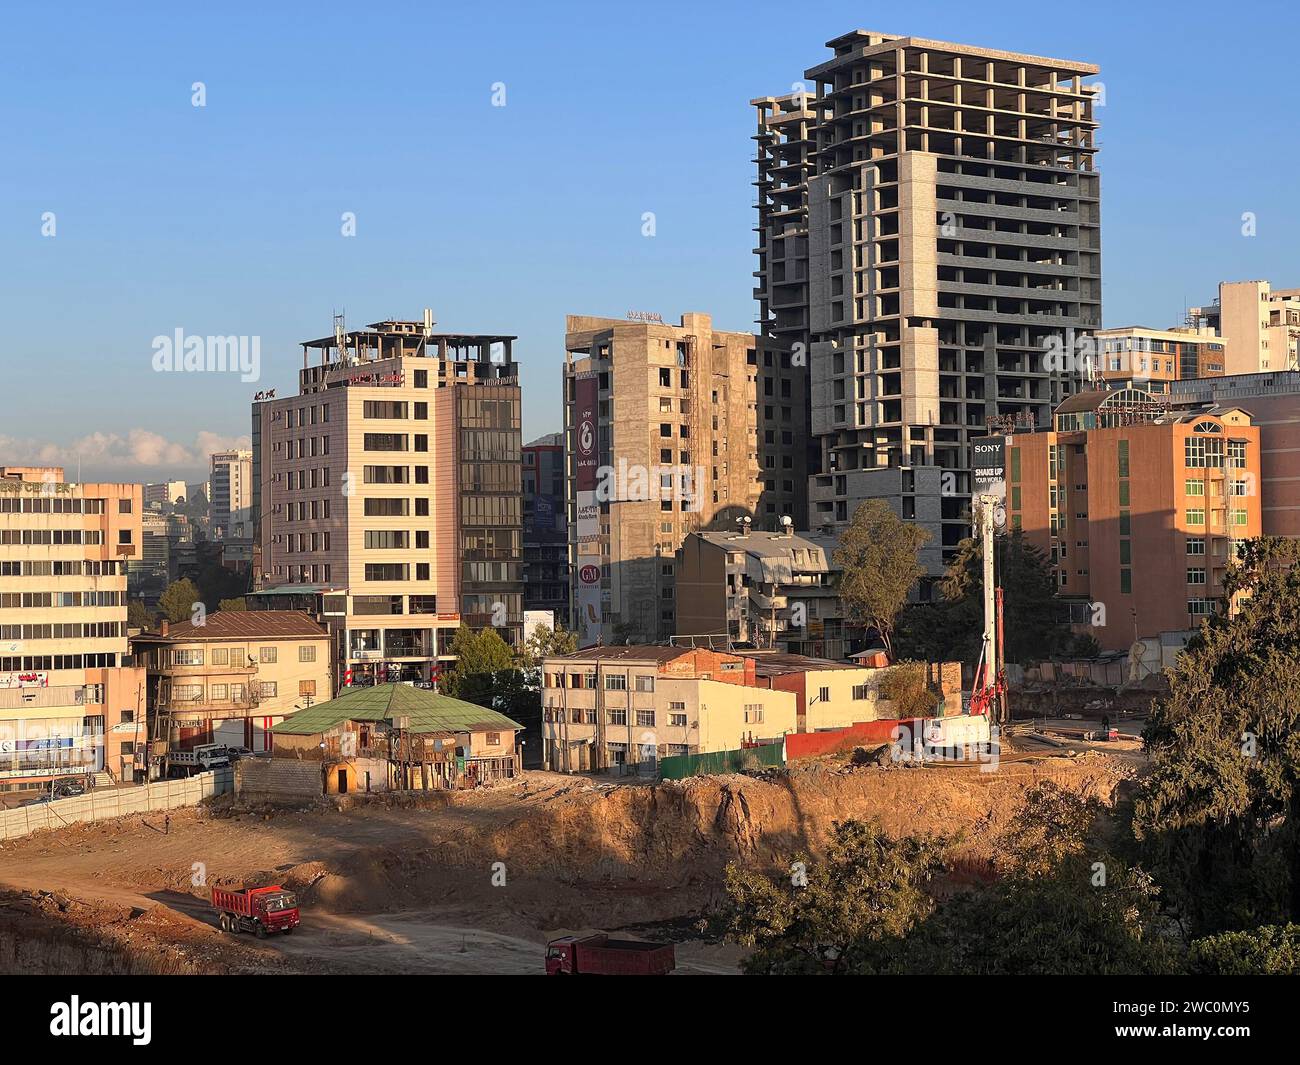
{"x":71,"y":703}
{"x":1138,"y":506}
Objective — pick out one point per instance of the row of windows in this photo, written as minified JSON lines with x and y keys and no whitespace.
{"x":55,"y":505}
{"x":234,"y":656}
{"x":297,"y":543}
{"x":235,"y":693}
{"x":618,"y":716}
{"x":316,"y":477}
{"x":89,"y":630}
{"x":614,"y":682}
{"x":26,"y":663}
{"x":306,"y":510}
{"x":303,"y":416}
{"x":306,"y":447}
{"x":56,"y":537}
{"x":14,"y":600}
{"x":69,"y":568}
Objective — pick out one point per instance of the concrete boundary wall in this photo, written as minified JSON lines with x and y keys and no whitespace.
{"x":103,"y":804}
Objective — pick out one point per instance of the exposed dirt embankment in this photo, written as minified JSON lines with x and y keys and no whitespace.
{"x":680,"y":835}
{"x":50,"y":935}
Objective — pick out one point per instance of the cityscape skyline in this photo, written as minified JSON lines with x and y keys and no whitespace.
{"x":200,"y":206}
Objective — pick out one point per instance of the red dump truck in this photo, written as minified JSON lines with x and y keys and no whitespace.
{"x":599,"y":955}
{"x":260,"y":910}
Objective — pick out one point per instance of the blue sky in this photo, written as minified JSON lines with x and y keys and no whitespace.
{"x":226,"y":219}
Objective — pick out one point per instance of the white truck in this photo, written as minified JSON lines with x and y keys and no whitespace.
{"x":202,"y":758}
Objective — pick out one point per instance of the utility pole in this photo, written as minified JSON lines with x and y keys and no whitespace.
{"x":991,"y":672}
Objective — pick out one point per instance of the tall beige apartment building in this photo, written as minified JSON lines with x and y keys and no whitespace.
{"x":387,"y":494}
{"x":928,"y":233}
{"x":230,"y":506}
{"x":663,"y":438}
{"x":69,"y":703}
{"x":1260,"y":326}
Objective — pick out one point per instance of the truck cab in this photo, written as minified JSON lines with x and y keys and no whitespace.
{"x":559,"y":956}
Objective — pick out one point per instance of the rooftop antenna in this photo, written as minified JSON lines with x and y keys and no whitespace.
{"x":428,"y":322}
{"x":339,"y":341}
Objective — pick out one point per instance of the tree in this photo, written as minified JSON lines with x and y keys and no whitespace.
{"x":877,"y":557}
{"x":830,"y":917}
{"x":1218,"y":815}
{"x":907,"y":686}
{"x":546,"y":642}
{"x":1061,"y":904}
{"x":177,"y":601}
{"x":237,"y":605}
{"x":480,"y":656}
{"x":1034,"y":625}
{"x":138,"y":615}
{"x":1272,"y":950}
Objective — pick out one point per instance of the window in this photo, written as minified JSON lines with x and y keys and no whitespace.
{"x":386,"y":539}
{"x":1238,"y":517}
{"x":386,"y":571}
{"x":385,"y":508}
{"x":493,"y":739}
{"x":124,"y":506}
{"x":307,"y":653}
{"x":1194,"y":487}
{"x":221,"y":656}
{"x":1196,"y":516}
{"x":616,"y":682}
{"x":1196,"y":576}
{"x":862,"y":691}
{"x":645,"y":718}
{"x":678,"y":720}
{"x":618,"y":716}
{"x":1237,"y":454}
{"x":187,"y":657}
{"x":1199,"y":608}
{"x":1195,"y":545}
{"x":645,"y":684}
{"x":1126,"y":581}
{"x":1123,"y":493}
{"x":1125,"y":524}
{"x":306,"y":687}
{"x":753,"y":713}
{"x":1123,"y":458}
{"x":1125,"y":552}
{"x":268,"y":655}
{"x":824,"y":694}
{"x":266,"y":689}
{"x":218,"y":693}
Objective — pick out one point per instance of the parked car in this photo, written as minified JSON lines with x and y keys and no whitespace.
{"x":38,"y":801}
{"x":69,"y":788}
{"x":236,"y":753}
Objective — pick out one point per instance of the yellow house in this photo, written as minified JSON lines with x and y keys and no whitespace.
{"x":232,"y":677}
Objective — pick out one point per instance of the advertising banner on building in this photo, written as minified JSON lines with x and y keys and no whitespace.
{"x":988,"y":466}
{"x":587,"y":568}
{"x":989,"y":474}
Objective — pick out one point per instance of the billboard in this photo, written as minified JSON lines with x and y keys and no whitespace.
{"x":587,"y":567}
{"x":989,"y":473}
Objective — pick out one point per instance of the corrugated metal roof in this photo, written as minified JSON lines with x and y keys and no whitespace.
{"x":778,"y":663}
{"x":626,"y":653}
{"x":428,"y":712}
{"x":243,"y":624}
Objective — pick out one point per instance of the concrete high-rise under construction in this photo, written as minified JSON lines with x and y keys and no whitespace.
{"x":929,"y":238}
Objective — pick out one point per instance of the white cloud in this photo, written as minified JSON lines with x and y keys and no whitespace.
{"x":138,"y":455}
